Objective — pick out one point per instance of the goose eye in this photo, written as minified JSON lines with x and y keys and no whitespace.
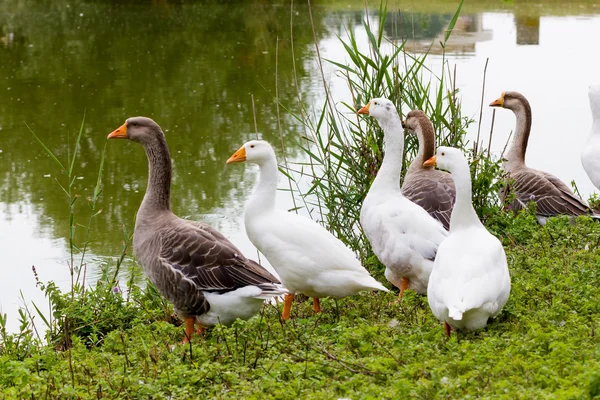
{"x":251,"y":146}
{"x":375,"y":103}
{"x":443,"y":153}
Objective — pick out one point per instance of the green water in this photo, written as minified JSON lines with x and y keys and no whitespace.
{"x":192,"y":68}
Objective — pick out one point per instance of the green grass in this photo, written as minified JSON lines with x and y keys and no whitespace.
{"x":545,"y":344}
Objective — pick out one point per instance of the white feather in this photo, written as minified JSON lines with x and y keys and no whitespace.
{"x":470,"y":282}
{"x":402,"y":234}
{"x":225,"y":308}
{"x":307,"y":258}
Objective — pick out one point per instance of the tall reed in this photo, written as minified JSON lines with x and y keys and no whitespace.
{"x":345,"y":150}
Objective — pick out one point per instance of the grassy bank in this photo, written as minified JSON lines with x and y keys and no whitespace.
{"x":545,"y":344}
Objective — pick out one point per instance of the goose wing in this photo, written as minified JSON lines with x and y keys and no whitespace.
{"x":195,"y":258}
{"x":550,"y":194}
{"x":434,"y":191}
{"x":209,"y":259}
{"x":397,"y":225}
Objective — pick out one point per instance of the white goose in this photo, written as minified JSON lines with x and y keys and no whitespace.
{"x":403,"y":235}
{"x":590,"y":157}
{"x":308,"y":258}
{"x":470,"y":281}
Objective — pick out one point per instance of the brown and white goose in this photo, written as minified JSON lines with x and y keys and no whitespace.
{"x":208,"y":280}
{"x":550,"y":194}
{"x":430,"y":188}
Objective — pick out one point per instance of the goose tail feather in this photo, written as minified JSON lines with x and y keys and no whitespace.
{"x":455,"y":314}
{"x":270,"y":290}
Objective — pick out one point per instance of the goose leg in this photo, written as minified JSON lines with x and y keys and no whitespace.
{"x":200,"y":330}
{"x":403,"y":286}
{"x":447,"y":328}
{"x":316,"y":305}
{"x":287,"y":305}
{"x":189,"y":328}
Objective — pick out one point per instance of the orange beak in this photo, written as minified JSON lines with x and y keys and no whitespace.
{"x":238,"y":156}
{"x":499,"y":102}
{"x":430,"y":162}
{"x":365,"y":109}
{"x":119,"y":133}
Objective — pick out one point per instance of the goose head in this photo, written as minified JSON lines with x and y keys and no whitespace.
{"x":255,"y":152}
{"x":512,"y":100}
{"x":414,"y":121}
{"x":139,"y":129}
{"x":383,"y":110}
{"x":447,"y":158}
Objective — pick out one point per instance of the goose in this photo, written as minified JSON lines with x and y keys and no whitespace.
{"x":427,"y":187}
{"x":550,"y":194}
{"x":470,"y":282}
{"x":402,"y":234}
{"x":307,"y":258}
{"x":590,"y":157}
{"x":208,"y":280}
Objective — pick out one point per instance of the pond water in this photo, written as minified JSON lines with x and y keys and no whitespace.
{"x":194,"y":68}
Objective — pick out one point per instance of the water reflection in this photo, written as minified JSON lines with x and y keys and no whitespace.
{"x":421,"y":30}
{"x":528,"y":29}
{"x":192,"y":68}
{"x":467,"y":32}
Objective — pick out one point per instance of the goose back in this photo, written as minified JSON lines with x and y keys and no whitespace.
{"x":185,"y":259}
{"x":434,"y":191}
{"x":551,"y":195}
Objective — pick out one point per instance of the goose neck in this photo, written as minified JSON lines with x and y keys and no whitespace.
{"x":263,"y":198}
{"x":426,"y":138}
{"x":516,"y":154}
{"x":388,"y":176}
{"x":158,"y":191}
{"x":463,"y":213}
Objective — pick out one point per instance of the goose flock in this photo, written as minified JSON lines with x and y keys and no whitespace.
{"x":425,"y":231}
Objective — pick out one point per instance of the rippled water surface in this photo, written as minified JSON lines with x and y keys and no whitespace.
{"x":194,"y":67}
